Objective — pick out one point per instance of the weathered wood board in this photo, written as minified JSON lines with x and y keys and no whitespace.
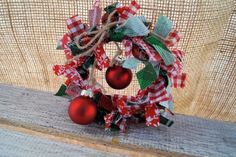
{"x":13,"y":143}
{"x":44,"y":113}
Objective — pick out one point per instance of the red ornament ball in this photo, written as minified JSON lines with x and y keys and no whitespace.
{"x":82,"y":110}
{"x":118,"y":77}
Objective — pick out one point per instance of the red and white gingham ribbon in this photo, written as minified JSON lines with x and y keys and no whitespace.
{"x":128,"y":45}
{"x":102,"y":60}
{"x":152,"y":115}
{"x":174,"y":71}
{"x":172,"y":38}
{"x":178,"y":80}
{"x":72,"y":74}
{"x":126,"y":12}
{"x":157,"y":92}
{"x":126,"y":110}
{"x":178,"y":54}
{"x":75,"y":26}
{"x":122,"y":124}
{"x":108,"y":119}
{"x":153,"y":56}
{"x":65,"y":40}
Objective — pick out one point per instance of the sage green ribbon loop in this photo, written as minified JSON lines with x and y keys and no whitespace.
{"x":134,"y":26}
{"x":163,"y":26}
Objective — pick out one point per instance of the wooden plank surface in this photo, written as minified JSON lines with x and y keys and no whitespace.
{"x":42,"y":112}
{"x":17,"y":144}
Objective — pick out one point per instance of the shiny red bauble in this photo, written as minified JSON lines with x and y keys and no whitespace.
{"x":118,"y":77}
{"x":82,"y":110}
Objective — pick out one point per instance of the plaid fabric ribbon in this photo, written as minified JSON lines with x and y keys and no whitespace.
{"x":95,"y":14}
{"x":178,"y":80}
{"x":153,"y":56}
{"x":152,"y":115}
{"x":108,"y":118}
{"x":72,"y":74}
{"x":178,"y":54}
{"x":126,"y":110}
{"x":73,"y":90}
{"x":75,"y":26}
{"x":122,"y":124}
{"x":68,"y":53}
{"x":128,"y":47}
{"x":151,"y":110}
{"x":126,"y":12}
{"x":102,"y":60}
{"x":175,"y":73}
{"x":65,"y":40}
{"x":172,"y":38}
{"x":157,"y":92}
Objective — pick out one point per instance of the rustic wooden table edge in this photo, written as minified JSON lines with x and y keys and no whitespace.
{"x":41,"y":114}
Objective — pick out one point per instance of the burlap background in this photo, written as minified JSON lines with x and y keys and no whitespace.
{"x":29,"y":30}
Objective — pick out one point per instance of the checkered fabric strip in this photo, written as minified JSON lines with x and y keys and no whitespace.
{"x":178,"y":54}
{"x":67,"y":82}
{"x":125,"y":98}
{"x":174,"y":69}
{"x":73,"y":90}
{"x":157,"y":92}
{"x":153,"y":56}
{"x":152,"y":115}
{"x":122,"y":125}
{"x":72,"y":74}
{"x":172,"y":38}
{"x":108,"y":119}
{"x":178,"y":80}
{"x":68,"y":53}
{"x":65,"y":40}
{"x":102,"y":60}
{"x":126,"y":12}
{"x":75,"y":26}
{"x":124,"y":109}
{"x":78,"y":62}
{"x":141,"y":94}
{"x":128,"y":47}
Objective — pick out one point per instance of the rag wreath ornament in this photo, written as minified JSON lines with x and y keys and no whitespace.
{"x":83,"y":47}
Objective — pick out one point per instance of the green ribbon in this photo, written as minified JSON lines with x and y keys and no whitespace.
{"x":165,"y":121}
{"x":89,"y":61}
{"x":109,"y":9}
{"x":134,"y":26}
{"x":59,"y":47}
{"x":147,"y":75}
{"x":161,"y":49}
{"x":163,"y":26}
{"x":61,"y":91}
{"x":131,"y":63}
{"x":74,"y":49}
{"x":117,"y":36}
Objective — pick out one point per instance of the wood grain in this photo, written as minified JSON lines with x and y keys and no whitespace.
{"x":14,"y":143}
{"x":42,"y":112}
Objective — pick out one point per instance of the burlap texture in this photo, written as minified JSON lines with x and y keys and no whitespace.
{"x":29,"y":30}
